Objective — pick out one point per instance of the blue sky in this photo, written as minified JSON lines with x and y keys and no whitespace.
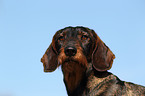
{"x":27,"y":27}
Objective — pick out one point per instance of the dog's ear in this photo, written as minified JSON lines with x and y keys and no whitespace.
{"x":49,"y":59}
{"x":102,"y":57}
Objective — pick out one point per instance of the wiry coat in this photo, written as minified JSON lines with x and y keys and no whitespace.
{"x":84,"y":60}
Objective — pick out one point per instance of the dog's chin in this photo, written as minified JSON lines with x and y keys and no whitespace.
{"x":71,"y":65}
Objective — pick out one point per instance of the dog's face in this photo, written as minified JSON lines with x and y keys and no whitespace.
{"x":73,"y":44}
{"x":74,"y":48}
{"x":77,"y":45}
{"x":71,"y":38}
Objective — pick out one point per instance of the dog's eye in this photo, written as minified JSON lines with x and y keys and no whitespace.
{"x":61,"y":38}
{"x":84,"y":37}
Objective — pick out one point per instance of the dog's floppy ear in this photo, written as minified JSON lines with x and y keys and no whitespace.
{"x":102,"y":57}
{"x":49,"y":59}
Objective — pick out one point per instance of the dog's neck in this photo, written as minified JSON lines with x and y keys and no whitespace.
{"x":74,"y":75}
{"x":77,"y":77}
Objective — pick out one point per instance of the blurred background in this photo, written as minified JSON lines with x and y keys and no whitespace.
{"x":27,"y":28}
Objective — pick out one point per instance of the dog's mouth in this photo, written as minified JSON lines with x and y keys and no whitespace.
{"x":70,"y":65}
{"x":70,"y":60}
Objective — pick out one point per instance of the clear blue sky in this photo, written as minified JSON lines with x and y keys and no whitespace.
{"x":27,"y":27}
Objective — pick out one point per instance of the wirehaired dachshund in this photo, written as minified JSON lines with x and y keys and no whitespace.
{"x":84,"y":59}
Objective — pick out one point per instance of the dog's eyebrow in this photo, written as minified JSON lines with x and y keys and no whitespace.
{"x":61,"y":33}
{"x":81,"y":32}
{"x":85,"y":33}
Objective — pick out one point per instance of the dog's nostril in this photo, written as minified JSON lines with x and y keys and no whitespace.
{"x":70,"y":51}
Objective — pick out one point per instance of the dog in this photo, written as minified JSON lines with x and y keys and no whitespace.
{"x":85,"y":60}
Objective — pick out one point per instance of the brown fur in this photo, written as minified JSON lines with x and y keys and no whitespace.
{"x":73,"y":70}
{"x":85,"y":59}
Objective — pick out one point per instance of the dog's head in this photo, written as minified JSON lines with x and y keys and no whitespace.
{"x":77,"y":45}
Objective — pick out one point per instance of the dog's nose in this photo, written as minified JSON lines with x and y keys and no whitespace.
{"x":70,"y":51}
